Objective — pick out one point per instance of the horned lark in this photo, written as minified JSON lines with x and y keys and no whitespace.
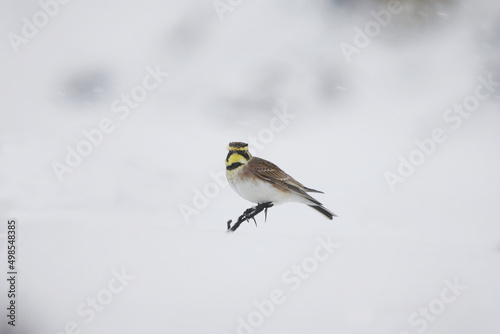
{"x":261,"y":181}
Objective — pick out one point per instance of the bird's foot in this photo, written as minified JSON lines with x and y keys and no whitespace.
{"x":249,"y":213}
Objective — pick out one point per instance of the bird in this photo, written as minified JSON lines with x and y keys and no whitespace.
{"x":260,"y":181}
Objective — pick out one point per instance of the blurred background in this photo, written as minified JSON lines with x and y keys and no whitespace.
{"x":115,"y":117}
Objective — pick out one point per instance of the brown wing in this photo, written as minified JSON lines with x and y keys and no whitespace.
{"x":270,"y":172}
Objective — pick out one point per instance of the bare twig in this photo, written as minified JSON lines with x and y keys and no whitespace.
{"x":249,"y":214}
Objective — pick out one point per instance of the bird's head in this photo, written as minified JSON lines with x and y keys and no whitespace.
{"x":238,"y":155}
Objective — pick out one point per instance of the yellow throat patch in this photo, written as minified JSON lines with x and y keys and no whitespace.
{"x":238,"y":155}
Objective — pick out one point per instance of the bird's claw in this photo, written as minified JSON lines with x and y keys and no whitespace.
{"x":250,"y":214}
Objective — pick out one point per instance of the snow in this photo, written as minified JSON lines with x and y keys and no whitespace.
{"x":149,"y":203}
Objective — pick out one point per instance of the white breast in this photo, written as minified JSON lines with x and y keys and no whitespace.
{"x":259,"y":191}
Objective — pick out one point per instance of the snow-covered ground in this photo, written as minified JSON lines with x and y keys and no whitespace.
{"x":129,"y":236}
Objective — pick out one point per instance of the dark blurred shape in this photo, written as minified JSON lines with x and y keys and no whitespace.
{"x":416,"y":15}
{"x":426,"y":13}
{"x":188,"y":35}
{"x":487,"y":38}
{"x":86,"y":88}
{"x":331,"y":83}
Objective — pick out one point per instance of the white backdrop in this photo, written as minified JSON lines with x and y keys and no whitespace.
{"x":115,"y":117}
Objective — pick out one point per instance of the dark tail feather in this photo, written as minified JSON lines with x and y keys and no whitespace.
{"x":324,"y":211}
{"x":309,"y":190}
